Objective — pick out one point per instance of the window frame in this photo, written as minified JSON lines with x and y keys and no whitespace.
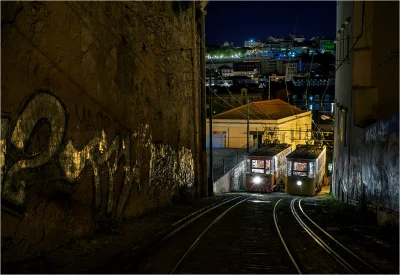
{"x":264,"y":169}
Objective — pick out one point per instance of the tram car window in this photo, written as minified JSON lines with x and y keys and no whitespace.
{"x":266,"y":168}
{"x":305,"y":170}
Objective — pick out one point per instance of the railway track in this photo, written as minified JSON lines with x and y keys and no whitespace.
{"x":244,"y":242}
{"x":198,"y":238}
{"x":347,"y":260}
{"x":177,"y":251}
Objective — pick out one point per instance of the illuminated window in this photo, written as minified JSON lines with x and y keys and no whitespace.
{"x":300,"y":169}
{"x":255,"y":163}
{"x":257,"y":166}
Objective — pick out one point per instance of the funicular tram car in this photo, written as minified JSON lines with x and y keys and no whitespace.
{"x":305,"y":170}
{"x":266,"y":167}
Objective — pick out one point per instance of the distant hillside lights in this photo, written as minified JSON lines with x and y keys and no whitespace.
{"x":209,"y":56}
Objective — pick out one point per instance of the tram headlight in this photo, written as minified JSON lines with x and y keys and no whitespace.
{"x":299,"y":182}
{"x":257,"y":180}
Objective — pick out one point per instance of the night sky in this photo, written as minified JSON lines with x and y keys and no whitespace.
{"x":238,"y":21}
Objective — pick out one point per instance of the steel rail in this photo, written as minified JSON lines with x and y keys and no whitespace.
{"x":336,"y":241}
{"x":195,"y":218}
{"x":204,"y":210}
{"x":318,"y":240}
{"x":283,"y":241}
{"x":198,"y":239}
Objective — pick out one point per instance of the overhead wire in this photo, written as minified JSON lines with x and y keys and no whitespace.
{"x":204,"y":81}
{"x":287,"y":68}
{"x":308,"y":80}
{"x":359,"y":36}
{"x":216,"y":70}
{"x":253,"y":104}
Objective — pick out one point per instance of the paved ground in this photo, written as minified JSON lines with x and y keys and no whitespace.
{"x":243,"y":240}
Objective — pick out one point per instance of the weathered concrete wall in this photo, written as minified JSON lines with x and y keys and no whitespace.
{"x":97,"y":115}
{"x":370,"y":174}
{"x":366,"y":152}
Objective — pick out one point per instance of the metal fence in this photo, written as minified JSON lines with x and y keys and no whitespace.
{"x":225,"y":164}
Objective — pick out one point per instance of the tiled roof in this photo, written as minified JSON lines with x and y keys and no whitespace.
{"x":265,"y":109}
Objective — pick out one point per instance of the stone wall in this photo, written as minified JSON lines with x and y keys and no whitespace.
{"x":98,"y":116}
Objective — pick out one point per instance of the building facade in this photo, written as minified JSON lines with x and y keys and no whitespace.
{"x":289,"y":68}
{"x":253,"y":44}
{"x":268,"y":120}
{"x":366,"y":156}
{"x":327,"y":45}
{"x":298,"y":38}
{"x":305,"y":67}
{"x":276,"y":38}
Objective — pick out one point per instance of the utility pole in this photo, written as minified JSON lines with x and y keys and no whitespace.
{"x":247,"y":123}
{"x":269,"y":87}
{"x":210,"y":179}
{"x":244,"y":90}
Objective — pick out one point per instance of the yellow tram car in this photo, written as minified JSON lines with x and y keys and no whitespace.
{"x":266,"y":167}
{"x":305,"y":170}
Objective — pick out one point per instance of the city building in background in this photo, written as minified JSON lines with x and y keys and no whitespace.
{"x":327,"y":45}
{"x":297,"y":38}
{"x":276,"y":38}
{"x":253,"y":44}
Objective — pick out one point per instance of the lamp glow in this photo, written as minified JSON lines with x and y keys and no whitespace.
{"x":257,"y":180}
{"x":299,"y":183}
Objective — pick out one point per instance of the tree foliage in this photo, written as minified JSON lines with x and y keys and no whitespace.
{"x":225,"y":51}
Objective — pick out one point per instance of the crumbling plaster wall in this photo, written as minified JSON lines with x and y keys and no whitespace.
{"x":97,"y":115}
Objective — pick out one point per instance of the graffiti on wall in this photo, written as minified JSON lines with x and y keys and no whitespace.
{"x":381,"y":155}
{"x":372,"y":169}
{"x":168,"y":168}
{"x":237,"y":175}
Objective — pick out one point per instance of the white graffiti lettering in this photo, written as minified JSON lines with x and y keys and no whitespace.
{"x":377,"y":133}
{"x":169,"y":168}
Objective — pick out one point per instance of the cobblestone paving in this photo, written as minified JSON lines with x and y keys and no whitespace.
{"x":245,"y":240}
